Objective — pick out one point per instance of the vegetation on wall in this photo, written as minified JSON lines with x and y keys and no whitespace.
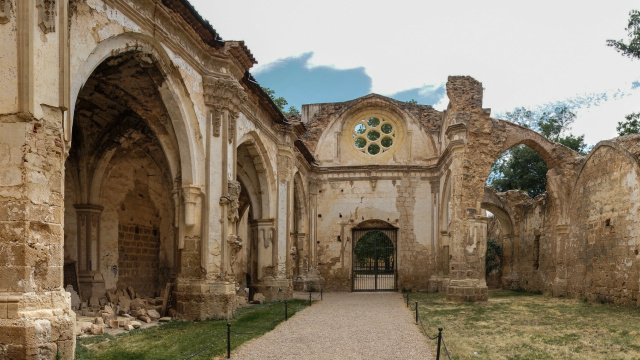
{"x":281,"y":103}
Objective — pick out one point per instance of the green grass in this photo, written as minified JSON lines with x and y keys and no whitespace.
{"x":521,"y":325}
{"x":179,"y":339}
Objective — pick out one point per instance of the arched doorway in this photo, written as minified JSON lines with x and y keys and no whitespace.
{"x":122,"y":168}
{"x":374,"y":259}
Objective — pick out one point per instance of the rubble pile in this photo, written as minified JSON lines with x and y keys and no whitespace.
{"x":122,"y":309}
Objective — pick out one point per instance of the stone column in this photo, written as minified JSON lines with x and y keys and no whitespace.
{"x":208,"y":292}
{"x":36,"y":321}
{"x":92,"y":285}
{"x":559,"y":287}
{"x":313,"y":227}
{"x":266,"y":279}
{"x":468,"y":265}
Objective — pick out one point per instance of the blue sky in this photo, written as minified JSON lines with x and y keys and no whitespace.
{"x":525,"y":53}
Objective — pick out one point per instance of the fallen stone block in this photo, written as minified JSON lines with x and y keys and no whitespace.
{"x":83,"y":327}
{"x":128,"y":327}
{"x":114,"y":324}
{"x":98,"y":321}
{"x":138,"y":312}
{"x":258,"y":298}
{"x":112,"y":297}
{"x":131,"y":292}
{"x":144,"y":318}
{"x":97,"y":329}
{"x":153,"y":314}
{"x":135,"y":324}
{"x":165,"y":319}
{"x":124,"y":303}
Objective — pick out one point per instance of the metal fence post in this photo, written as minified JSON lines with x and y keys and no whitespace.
{"x":286,"y":315}
{"x":229,"y":340}
{"x":309,"y":297}
{"x":320,"y":294}
{"x":407,"y":299}
{"x":416,"y":312}
{"x":439,"y":342}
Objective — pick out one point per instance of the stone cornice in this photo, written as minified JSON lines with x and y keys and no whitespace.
{"x":455,"y":128}
{"x":455,"y":144}
{"x":200,"y":56}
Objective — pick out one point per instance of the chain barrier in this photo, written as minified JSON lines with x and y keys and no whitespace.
{"x":205,"y":347}
{"x":438,"y":337}
{"x":261,"y":329}
{"x":445,"y":349}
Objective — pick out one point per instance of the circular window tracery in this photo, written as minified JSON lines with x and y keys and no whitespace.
{"x":373,"y":135}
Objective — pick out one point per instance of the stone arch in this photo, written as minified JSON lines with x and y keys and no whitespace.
{"x":553,"y":154}
{"x":373,"y":224}
{"x":189,"y":152}
{"x":612,"y":144}
{"x":491,"y":202}
{"x":373,"y":102}
{"x":263,"y":179}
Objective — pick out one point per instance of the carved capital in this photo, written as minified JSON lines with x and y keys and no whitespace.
{"x":47,"y":10}
{"x":5,"y":11}
{"x":223,"y":94}
{"x":189,"y":197}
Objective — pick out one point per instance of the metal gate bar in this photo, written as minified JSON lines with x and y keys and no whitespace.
{"x":374,"y":260}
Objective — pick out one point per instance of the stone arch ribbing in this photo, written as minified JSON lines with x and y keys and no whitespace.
{"x":174,"y":95}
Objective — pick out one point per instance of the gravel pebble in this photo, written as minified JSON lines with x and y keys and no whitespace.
{"x":344,"y":326}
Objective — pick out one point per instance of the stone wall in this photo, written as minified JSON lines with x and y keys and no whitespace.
{"x":602,"y":252}
{"x":138,"y":265}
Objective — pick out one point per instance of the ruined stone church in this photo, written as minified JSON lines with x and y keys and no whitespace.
{"x":137,"y":150}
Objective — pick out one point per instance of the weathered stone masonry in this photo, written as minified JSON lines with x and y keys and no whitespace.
{"x":136,"y":146}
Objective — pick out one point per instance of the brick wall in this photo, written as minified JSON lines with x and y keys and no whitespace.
{"x":138,"y":250}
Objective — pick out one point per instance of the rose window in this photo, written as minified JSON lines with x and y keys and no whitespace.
{"x":373,"y":135}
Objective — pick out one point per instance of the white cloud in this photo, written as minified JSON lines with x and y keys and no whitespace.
{"x":525,"y":53}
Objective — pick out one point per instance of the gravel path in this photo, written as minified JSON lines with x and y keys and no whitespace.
{"x":344,"y":326}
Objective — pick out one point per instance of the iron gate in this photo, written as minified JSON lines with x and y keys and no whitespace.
{"x":374,"y":259}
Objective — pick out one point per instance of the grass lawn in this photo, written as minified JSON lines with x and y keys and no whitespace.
{"x":519,"y":325}
{"x":180,"y":339}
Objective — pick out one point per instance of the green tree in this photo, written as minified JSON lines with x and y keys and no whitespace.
{"x":631,"y":126}
{"x":281,"y":102}
{"x":365,"y":254}
{"x":293,"y":111}
{"x":413,"y":102}
{"x":521,"y":167}
{"x":632,"y":50}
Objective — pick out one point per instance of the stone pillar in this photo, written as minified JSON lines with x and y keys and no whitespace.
{"x":468,"y":264}
{"x":559,"y":287}
{"x":36,"y":321}
{"x":312,"y":271}
{"x":207,"y":291}
{"x":92,"y":285}
{"x":266,"y":279}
